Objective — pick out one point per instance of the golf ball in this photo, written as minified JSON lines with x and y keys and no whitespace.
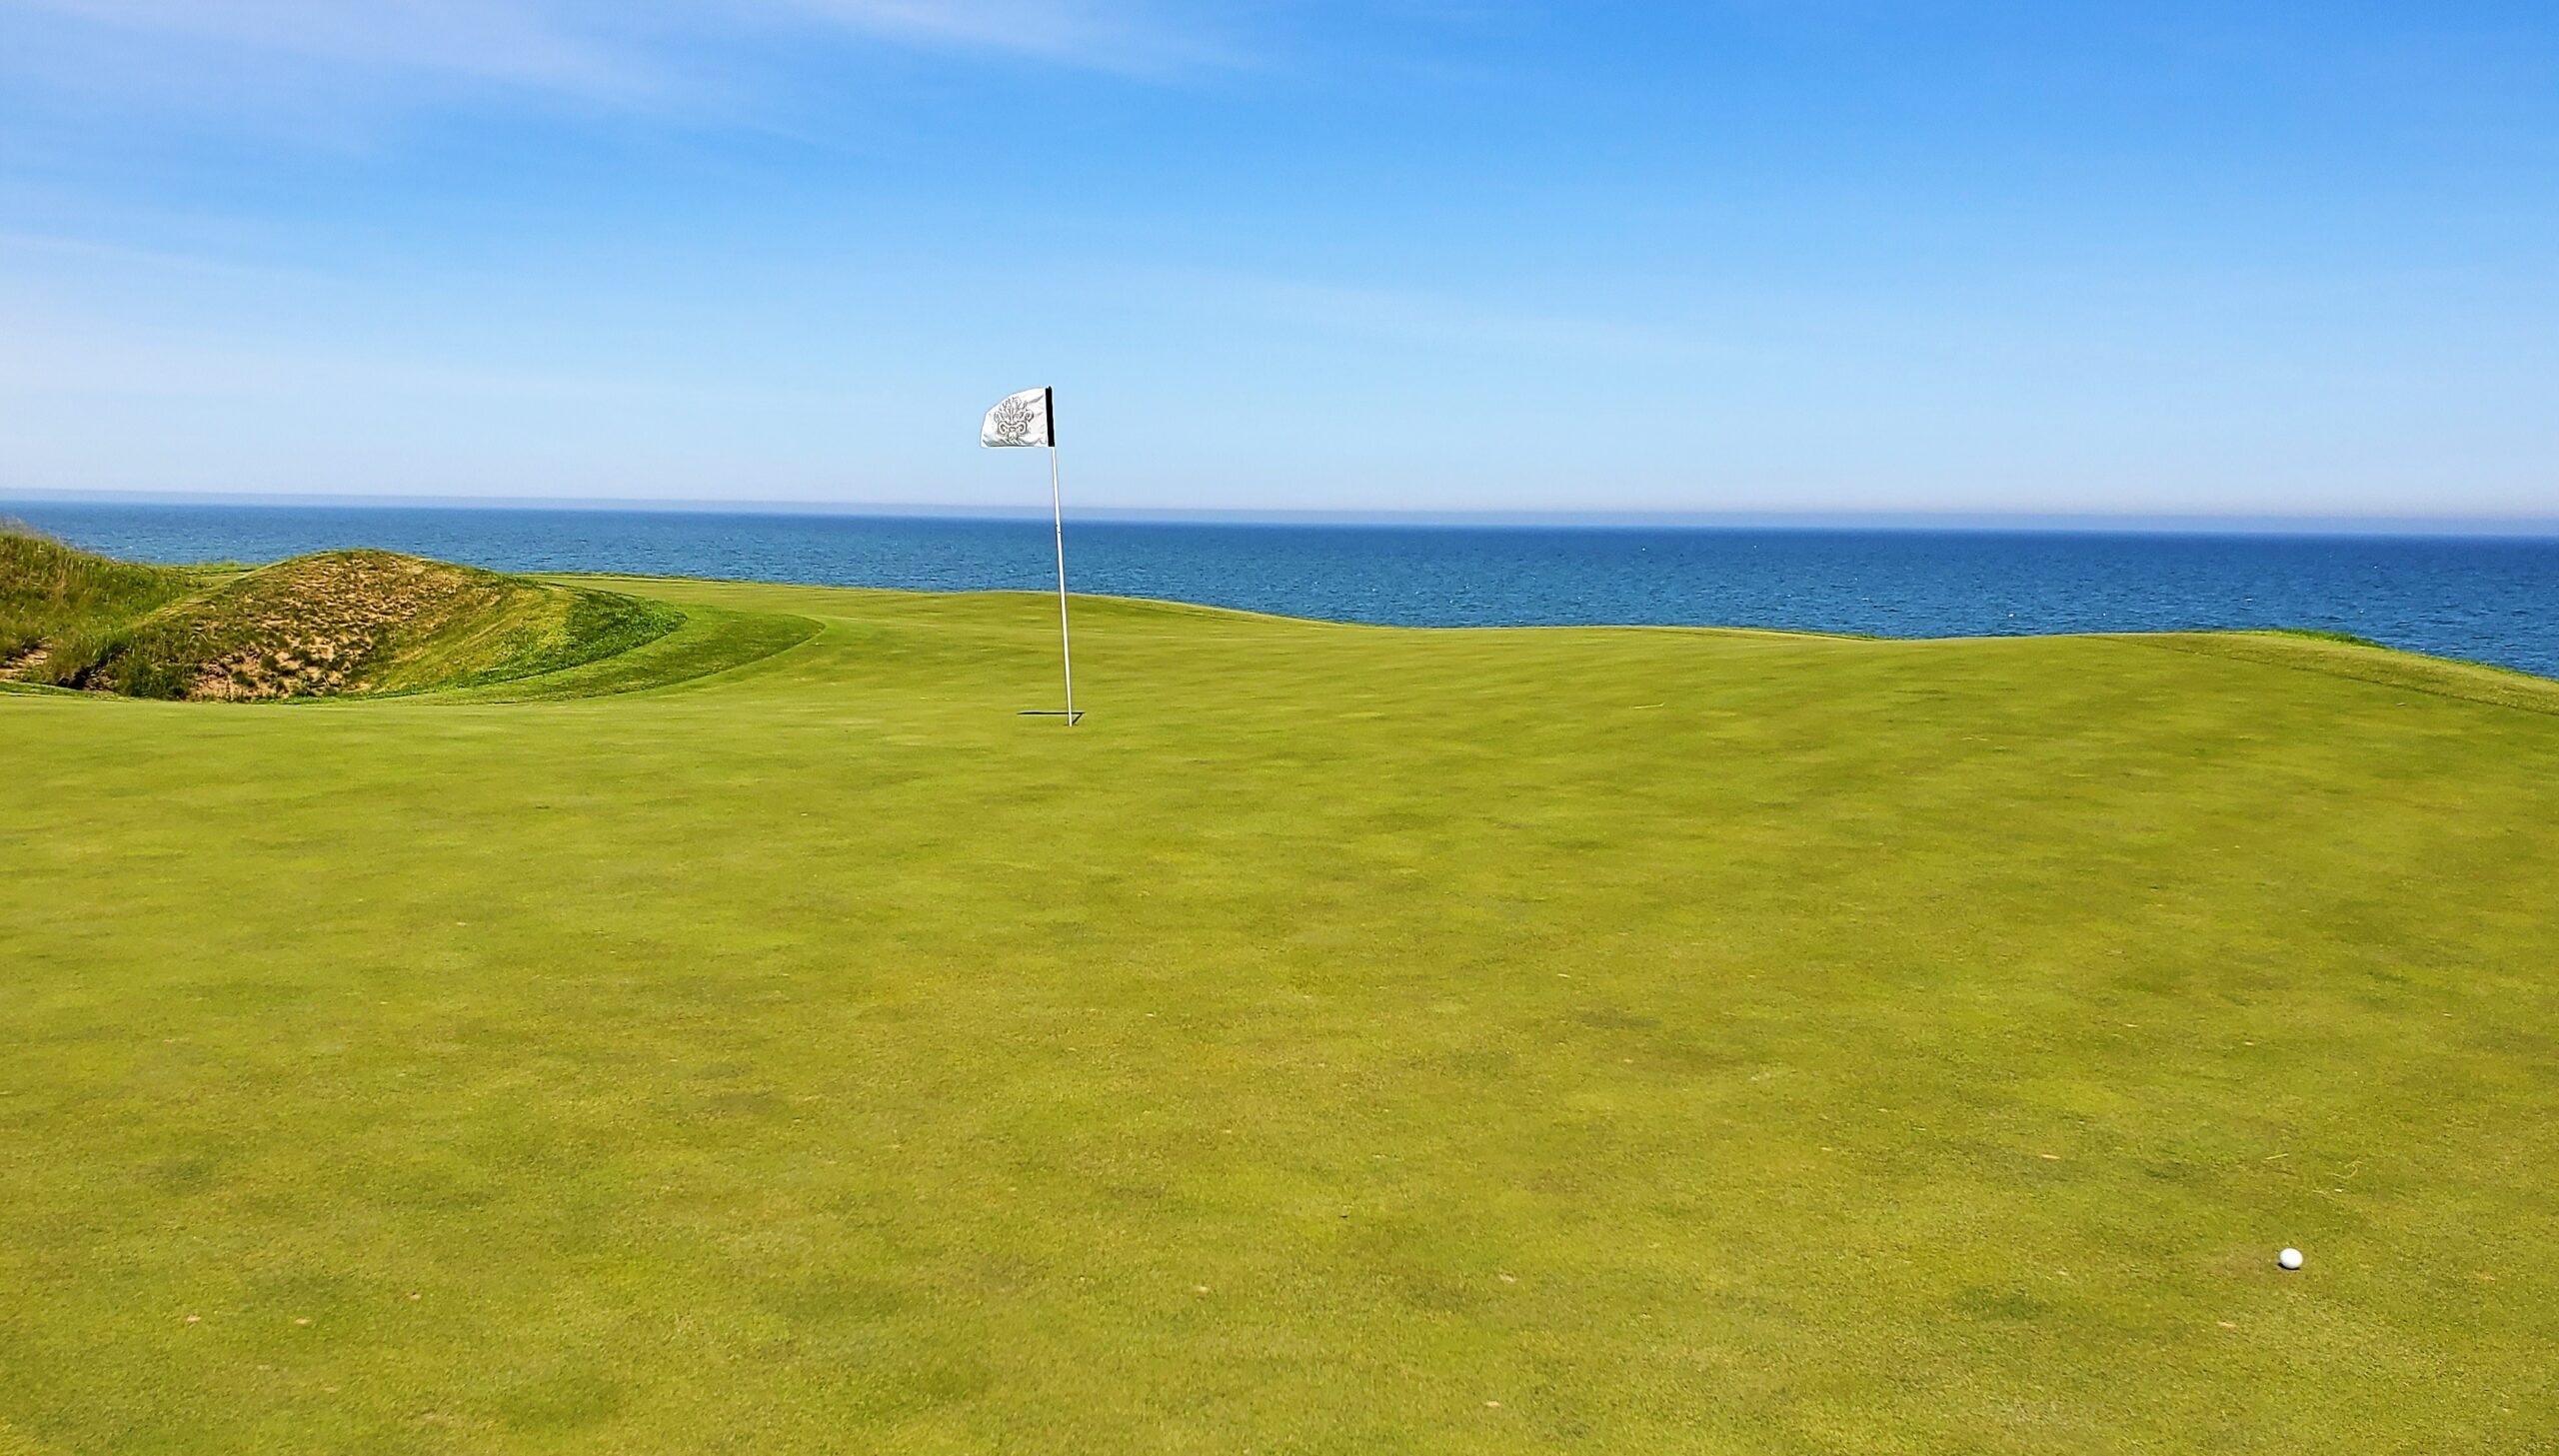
{"x":2289,"y":1258}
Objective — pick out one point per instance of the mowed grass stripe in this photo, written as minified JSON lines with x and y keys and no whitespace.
{"x":1347,"y":1039}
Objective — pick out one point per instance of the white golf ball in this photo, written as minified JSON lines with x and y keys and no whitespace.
{"x":2289,"y":1258}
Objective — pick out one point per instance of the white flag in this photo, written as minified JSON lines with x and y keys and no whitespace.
{"x":1028,"y":418}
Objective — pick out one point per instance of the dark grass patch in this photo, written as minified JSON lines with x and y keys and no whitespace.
{"x":2316,"y":634}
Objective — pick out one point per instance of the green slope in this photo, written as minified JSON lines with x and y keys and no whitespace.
{"x":1348,"y":1039}
{"x":331,"y":623}
{"x":59,"y":603}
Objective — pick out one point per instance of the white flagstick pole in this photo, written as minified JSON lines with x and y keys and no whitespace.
{"x":1066,"y":645}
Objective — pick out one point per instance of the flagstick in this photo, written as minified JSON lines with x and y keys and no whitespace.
{"x":1065,"y":646}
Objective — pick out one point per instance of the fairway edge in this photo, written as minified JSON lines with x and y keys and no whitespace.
{"x":2366,"y":663}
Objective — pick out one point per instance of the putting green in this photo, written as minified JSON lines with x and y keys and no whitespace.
{"x":1347,"y":1039}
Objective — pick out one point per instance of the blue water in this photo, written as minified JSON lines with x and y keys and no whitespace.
{"x":2493,"y":600}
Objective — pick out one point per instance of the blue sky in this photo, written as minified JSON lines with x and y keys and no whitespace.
{"x":1425,"y":255}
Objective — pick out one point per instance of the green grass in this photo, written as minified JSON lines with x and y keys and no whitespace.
{"x":61,"y":605}
{"x":1347,"y":1039}
{"x":330,"y":624}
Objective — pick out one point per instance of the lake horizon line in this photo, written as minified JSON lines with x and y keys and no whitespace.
{"x":1992,"y":521}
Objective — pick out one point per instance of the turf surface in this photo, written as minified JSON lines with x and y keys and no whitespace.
{"x":1347,"y":1039}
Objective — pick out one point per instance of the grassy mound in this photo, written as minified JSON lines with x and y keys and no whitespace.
{"x":1347,"y":1039}
{"x":331,"y":623}
{"x":59,"y":604}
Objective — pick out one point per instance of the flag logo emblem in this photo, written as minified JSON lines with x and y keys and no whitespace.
{"x":1022,"y":420}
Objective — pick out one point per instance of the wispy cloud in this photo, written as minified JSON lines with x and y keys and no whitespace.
{"x":1113,"y":35}
{"x":21,"y":252}
{"x":516,"y":41}
{"x":1437,"y":320}
{"x":597,"y":50}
